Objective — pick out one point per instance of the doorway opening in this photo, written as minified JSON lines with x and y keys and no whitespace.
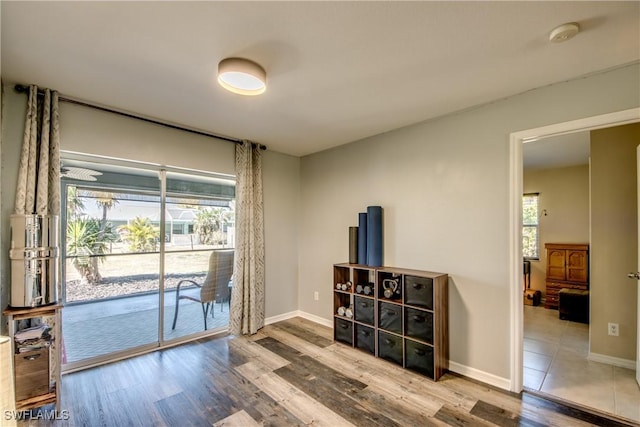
{"x":516,"y":190}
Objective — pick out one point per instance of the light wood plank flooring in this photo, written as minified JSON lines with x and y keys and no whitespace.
{"x":291,"y":373}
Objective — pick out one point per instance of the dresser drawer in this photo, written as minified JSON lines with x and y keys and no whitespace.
{"x":556,"y":286}
{"x":31,"y":373}
{"x":32,"y":362}
{"x":551,"y":301}
{"x":553,"y":288}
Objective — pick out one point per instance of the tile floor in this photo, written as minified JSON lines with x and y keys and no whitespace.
{"x":555,"y":362}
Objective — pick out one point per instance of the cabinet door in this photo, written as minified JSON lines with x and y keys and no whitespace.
{"x":577,"y":268}
{"x":556,"y":264}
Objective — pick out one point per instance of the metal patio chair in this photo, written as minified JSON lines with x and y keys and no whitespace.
{"x":215,"y":287}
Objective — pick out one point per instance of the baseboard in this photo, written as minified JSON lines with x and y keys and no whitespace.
{"x":298,"y":313}
{"x":610,"y":360}
{"x":317,"y":319}
{"x":280,"y":317}
{"x":478,"y":375}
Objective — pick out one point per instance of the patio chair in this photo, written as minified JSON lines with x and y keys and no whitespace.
{"x":215,"y":286}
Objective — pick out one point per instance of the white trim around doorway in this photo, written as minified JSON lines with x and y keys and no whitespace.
{"x":515,"y":215}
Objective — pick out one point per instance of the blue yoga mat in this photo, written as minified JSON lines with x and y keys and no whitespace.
{"x":374,"y":236}
{"x":362,"y":238}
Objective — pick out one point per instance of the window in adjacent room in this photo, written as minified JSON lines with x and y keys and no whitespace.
{"x":530,"y":229}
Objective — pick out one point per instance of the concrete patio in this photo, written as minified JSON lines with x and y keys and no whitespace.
{"x":97,"y":328}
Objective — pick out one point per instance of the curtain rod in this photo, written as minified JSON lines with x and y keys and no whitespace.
{"x":25,"y":89}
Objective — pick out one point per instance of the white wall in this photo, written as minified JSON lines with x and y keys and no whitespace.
{"x":95,"y":132}
{"x":102,"y":133}
{"x":444,"y":187}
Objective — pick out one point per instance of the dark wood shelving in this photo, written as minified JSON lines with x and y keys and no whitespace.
{"x":397,"y":328}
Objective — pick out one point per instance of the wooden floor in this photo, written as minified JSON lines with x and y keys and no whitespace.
{"x":291,"y":373}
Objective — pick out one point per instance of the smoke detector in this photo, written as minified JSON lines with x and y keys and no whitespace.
{"x":564,"y":32}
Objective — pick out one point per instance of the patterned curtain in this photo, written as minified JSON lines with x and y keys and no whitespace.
{"x":38,"y":190}
{"x":247,"y":297}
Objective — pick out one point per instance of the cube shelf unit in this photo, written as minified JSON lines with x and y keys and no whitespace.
{"x":396,"y":314}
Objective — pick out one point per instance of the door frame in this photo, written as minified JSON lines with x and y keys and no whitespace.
{"x":516,"y":141}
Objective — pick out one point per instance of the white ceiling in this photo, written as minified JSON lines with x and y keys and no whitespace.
{"x":557,"y":151}
{"x":337,"y":71}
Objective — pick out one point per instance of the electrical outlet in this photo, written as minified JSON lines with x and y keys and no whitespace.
{"x":316,"y":296}
{"x":614,"y":329}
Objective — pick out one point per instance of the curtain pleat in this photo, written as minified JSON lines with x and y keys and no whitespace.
{"x":247,"y":298}
{"x":38,"y":189}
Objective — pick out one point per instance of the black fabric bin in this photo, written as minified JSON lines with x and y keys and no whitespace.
{"x":390,"y":317}
{"x":573,"y":304}
{"x":390,"y":347}
{"x":343,"y":331}
{"x":419,"y":358}
{"x":364,"y":309}
{"x":418,"y":291}
{"x":418,"y":324}
{"x":366,"y":338}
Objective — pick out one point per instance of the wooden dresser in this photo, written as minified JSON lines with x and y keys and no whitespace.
{"x":567,"y":267}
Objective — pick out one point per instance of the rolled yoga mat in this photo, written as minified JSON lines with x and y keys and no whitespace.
{"x":353,"y":245}
{"x":374,"y":236}
{"x":362,"y":238}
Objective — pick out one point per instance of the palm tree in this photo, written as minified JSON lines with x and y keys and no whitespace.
{"x":106,"y":201}
{"x":141,"y":235}
{"x":210,"y":222}
{"x":85,"y":242}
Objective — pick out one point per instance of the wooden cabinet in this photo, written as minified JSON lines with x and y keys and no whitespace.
{"x":397,"y":314}
{"x":34,"y":334}
{"x":567,"y":267}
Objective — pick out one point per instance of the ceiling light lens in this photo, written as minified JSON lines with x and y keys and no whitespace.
{"x":242,"y":76}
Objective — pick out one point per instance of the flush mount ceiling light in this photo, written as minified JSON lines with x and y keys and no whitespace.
{"x":241,"y":76}
{"x":563,"y":32}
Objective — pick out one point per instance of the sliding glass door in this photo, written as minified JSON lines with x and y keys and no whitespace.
{"x":198,"y":221}
{"x":132,"y":236}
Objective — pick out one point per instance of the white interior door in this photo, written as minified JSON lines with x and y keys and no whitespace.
{"x":638,"y":278}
